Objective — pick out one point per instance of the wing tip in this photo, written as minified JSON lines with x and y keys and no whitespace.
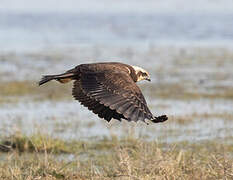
{"x":159,"y":119}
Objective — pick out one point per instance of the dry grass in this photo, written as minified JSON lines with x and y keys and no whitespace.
{"x":119,"y":159}
{"x":14,"y":91}
{"x":180,"y":91}
{"x":194,"y":117}
{"x":19,"y":89}
{"x":43,"y":157}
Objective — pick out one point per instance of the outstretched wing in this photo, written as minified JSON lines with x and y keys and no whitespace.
{"x":93,"y":105}
{"x":112,"y":95}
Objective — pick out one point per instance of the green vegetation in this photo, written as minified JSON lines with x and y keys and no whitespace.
{"x":13,"y":91}
{"x":179,"y":91}
{"x":180,"y":74}
{"x":42,"y":157}
{"x":16,"y":90}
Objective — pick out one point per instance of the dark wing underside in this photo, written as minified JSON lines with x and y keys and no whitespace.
{"x":93,"y":105}
{"x":111,"y":95}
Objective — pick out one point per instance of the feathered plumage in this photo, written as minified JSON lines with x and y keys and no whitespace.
{"x":109,"y":90}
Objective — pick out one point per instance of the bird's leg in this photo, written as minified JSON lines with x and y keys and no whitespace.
{"x":159,"y":119}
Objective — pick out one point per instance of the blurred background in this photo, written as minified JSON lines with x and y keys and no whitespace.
{"x":186,"y":45}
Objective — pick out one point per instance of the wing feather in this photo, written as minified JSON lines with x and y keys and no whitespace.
{"x":117,"y":93}
{"x":128,"y":112}
{"x":118,"y":104}
{"x":124,"y":107}
{"x":92,"y":104}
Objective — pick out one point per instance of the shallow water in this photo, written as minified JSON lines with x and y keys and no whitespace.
{"x":187,"y":49}
{"x":31,"y":31}
{"x":69,"y":120}
{"x":188,"y":70}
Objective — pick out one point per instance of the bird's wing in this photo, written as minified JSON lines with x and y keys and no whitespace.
{"x":118,"y":92}
{"x":93,"y":105}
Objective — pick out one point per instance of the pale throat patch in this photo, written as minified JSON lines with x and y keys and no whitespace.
{"x":139,"y":69}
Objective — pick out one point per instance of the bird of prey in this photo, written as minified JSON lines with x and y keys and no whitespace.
{"x":109,"y":89}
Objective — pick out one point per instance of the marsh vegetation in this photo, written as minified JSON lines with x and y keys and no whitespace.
{"x":47,"y":135}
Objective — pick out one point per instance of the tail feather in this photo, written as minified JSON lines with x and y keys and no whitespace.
{"x":45,"y":79}
{"x":61,"y":78}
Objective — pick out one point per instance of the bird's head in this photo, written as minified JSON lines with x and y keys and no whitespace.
{"x":141,"y":74}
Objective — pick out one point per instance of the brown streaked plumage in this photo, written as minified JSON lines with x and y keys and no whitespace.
{"x":109,"y":90}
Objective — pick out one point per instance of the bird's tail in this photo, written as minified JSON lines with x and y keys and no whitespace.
{"x":62,"y":78}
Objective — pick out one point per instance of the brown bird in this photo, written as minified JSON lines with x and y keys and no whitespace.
{"x":109,"y":90}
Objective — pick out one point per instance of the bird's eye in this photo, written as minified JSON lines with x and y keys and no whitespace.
{"x":144,"y":74}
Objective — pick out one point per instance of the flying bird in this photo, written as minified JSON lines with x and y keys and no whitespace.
{"x":109,"y":90}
